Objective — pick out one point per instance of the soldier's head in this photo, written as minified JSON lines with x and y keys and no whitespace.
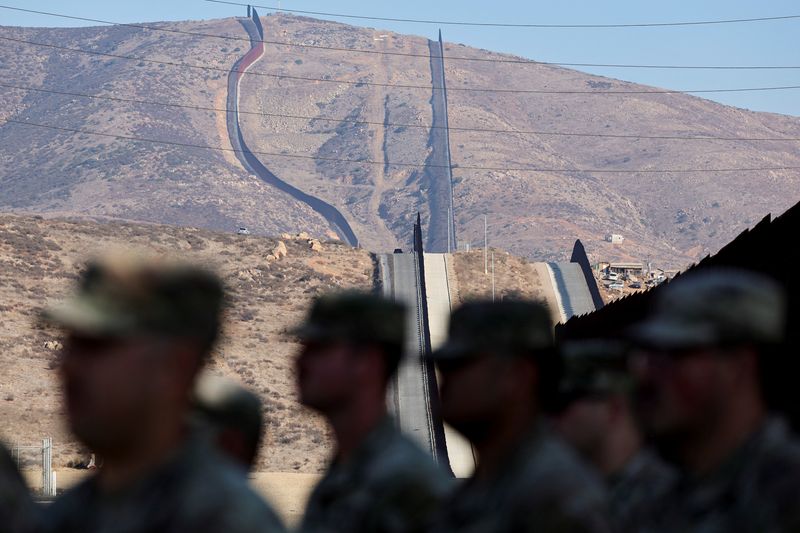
{"x":352,"y":344}
{"x":594,"y":396}
{"x":136,"y":334}
{"x":497,"y":355}
{"x":698,"y":351}
{"x":233,"y":416}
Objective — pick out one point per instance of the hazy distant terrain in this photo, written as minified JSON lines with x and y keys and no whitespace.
{"x":671,"y":219}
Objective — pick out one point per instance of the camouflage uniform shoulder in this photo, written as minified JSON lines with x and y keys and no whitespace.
{"x":396,"y":458}
{"x":199,"y":491}
{"x":638,"y":488}
{"x":543,"y":486}
{"x":388,"y":485}
{"x":755,"y":491}
{"x":218,"y":497}
{"x":554,"y":477}
{"x":771,"y":480}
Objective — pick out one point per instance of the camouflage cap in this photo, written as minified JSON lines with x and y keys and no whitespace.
{"x":714,"y":307}
{"x":515,"y":328}
{"x":125,"y":297}
{"x":225,"y":404}
{"x":594,"y":366}
{"x":354,"y":317}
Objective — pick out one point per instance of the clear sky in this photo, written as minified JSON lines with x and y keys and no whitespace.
{"x":755,"y":43}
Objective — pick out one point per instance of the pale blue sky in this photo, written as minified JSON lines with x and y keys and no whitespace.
{"x":759,"y":43}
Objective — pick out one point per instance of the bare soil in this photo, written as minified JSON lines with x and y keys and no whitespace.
{"x":40,"y":260}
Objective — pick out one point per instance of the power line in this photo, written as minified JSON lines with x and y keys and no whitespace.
{"x":401,"y":125}
{"x":410,"y":54}
{"x":412,"y":165}
{"x":518,"y":25}
{"x":395,"y":86}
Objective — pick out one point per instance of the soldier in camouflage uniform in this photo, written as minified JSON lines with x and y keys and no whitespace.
{"x":17,"y":513}
{"x":700,"y":396}
{"x":232,"y":416}
{"x":379,"y":481}
{"x":136,"y":335}
{"x":596,"y":417}
{"x":499,"y":371}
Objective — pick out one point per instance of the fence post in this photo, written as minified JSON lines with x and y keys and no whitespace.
{"x":47,"y":467}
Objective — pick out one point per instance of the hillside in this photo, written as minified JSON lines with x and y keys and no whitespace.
{"x":266,"y":296}
{"x":671,"y":219}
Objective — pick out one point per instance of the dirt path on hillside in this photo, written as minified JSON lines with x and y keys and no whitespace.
{"x":376,"y":110}
{"x":220,"y":121}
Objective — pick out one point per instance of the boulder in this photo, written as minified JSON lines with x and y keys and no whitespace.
{"x":280,"y":250}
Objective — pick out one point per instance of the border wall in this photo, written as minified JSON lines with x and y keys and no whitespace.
{"x":440,"y":444}
{"x":334,"y":217}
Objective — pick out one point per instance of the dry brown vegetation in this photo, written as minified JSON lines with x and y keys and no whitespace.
{"x":515,"y":277}
{"x":40,"y":259}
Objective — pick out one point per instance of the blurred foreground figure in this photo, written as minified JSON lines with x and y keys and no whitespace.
{"x":232,"y":414}
{"x":136,"y":336}
{"x":17,"y":513}
{"x":499,"y":371}
{"x":701,"y":399}
{"x":379,"y":481}
{"x":596,"y":417}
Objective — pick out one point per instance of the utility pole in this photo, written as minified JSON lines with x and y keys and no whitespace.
{"x":493,"y":276}
{"x":485,"y":246}
{"x":449,"y":245}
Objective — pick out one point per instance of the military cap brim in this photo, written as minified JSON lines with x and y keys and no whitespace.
{"x":312,"y":332}
{"x":81,"y":315}
{"x":451,"y":351}
{"x":660,"y":332}
{"x":353,"y":316}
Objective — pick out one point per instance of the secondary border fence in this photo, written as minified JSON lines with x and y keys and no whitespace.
{"x":769,"y":248}
{"x":438,"y":436}
{"x":41,"y":457}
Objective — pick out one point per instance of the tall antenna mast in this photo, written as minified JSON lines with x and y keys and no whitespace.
{"x":485,"y":246}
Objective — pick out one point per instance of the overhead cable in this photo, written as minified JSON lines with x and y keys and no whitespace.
{"x":396,"y":86}
{"x":425,"y":56}
{"x":516,"y":24}
{"x":401,"y":125}
{"x":412,"y":165}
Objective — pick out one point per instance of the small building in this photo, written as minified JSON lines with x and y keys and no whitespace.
{"x":615,"y":238}
{"x":627,"y":270}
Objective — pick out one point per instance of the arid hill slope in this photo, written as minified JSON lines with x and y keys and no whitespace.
{"x":671,"y":219}
{"x":40,"y":259}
